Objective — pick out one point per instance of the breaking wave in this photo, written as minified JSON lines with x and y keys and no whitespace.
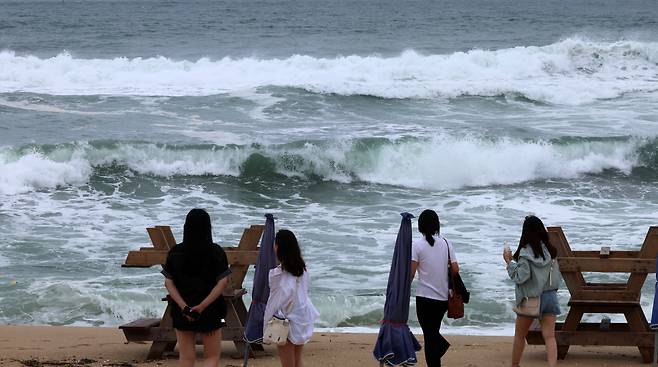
{"x":442,"y":162}
{"x":573,"y":71}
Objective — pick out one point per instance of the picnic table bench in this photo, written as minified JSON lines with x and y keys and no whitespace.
{"x":603,"y":298}
{"x":160,"y":331}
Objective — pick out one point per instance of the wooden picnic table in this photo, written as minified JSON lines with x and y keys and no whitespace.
{"x":161,"y":331}
{"x":603,"y":298}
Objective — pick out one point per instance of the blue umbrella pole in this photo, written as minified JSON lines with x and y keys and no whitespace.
{"x":246,"y":354}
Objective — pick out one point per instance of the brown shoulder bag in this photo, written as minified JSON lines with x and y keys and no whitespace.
{"x":455,"y":300}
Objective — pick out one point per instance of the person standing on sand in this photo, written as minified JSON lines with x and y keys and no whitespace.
{"x":535,"y":273}
{"x":196,"y":274}
{"x":289,"y":284}
{"x":430,"y":256}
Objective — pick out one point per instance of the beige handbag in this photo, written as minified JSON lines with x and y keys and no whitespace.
{"x":531,"y":306}
{"x":277,"y":329}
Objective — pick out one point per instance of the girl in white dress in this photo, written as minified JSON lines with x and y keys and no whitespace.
{"x":289,"y":285}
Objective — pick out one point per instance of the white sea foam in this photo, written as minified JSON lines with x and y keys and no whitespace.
{"x":33,"y":170}
{"x":465,"y":162}
{"x":443,"y":162}
{"x":25,"y":105}
{"x":506,"y":330}
{"x":215,"y":137}
{"x":164,"y":161}
{"x":573,"y":71}
{"x":91,"y":302}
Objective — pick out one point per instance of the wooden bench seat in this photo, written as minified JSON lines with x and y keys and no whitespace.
{"x":149,"y":330}
{"x":140,"y":330}
{"x":618,"y":334}
{"x":609,"y":307}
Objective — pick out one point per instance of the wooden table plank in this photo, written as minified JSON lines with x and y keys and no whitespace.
{"x":598,"y":265}
{"x":168,"y":236}
{"x":609,"y":338}
{"x":145,"y":259}
{"x":157,"y":238}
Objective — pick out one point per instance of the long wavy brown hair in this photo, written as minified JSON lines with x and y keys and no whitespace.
{"x":534,"y":234}
{"x":288,"y":253}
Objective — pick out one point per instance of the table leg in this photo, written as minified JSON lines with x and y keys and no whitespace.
{"x":638,"y":322}
{"x":159,"y":347}
{"x":157,"y":350}
{"x":570,"y":324}
{"x":240,"y":347}
{"x":233,"y":320}
{"x":243,"y":314}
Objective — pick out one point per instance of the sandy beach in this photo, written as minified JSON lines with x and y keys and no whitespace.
{"x":92,"y":347}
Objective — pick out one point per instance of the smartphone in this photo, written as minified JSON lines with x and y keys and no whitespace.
{"x":193,"y":314}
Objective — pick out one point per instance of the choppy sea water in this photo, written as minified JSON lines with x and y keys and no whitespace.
{"x":336,"y":117}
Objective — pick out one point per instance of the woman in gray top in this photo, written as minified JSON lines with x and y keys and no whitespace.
{"x":535,"y":274}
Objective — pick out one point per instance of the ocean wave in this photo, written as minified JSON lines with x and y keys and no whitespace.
{"x":573,"y":71}
{"x":27,"y":170}
{"x":442,"y":162}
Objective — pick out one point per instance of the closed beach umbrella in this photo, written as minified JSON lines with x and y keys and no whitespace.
{"x":654,"y":313}
{"x":654,"y":317}
{"x":253,"y":331}
{"x":396,"y":345}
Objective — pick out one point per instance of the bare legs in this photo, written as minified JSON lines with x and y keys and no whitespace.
{"x":298,"y":356}
{"x":212,"y":348}
{"x":548,"y":332}
{"x":520,"y":331}
{"x":290,"y":355}
{"x":187,"y":348}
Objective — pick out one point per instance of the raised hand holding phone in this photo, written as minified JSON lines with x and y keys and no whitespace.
{"x":507,"y":252}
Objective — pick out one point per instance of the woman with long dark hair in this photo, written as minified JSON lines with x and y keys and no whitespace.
{"x":289,"y":299}
{"x":535,"y":273}
{"x":431,"y":255}
{"x":196,"y":274}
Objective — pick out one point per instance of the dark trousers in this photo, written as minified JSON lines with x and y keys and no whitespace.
{"x":430,"y":314}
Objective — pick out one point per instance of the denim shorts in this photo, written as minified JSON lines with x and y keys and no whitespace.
{"x":549,"y":304}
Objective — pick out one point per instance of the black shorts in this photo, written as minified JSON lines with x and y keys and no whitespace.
{"x":211,"y":319}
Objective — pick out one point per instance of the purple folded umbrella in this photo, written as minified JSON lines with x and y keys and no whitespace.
{"x":396,"y":345}
{"x":253,"y":331}
{"x":654,"y":313}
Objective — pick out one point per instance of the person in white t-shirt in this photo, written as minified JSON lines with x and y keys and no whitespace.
{"x":430,"y":258}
